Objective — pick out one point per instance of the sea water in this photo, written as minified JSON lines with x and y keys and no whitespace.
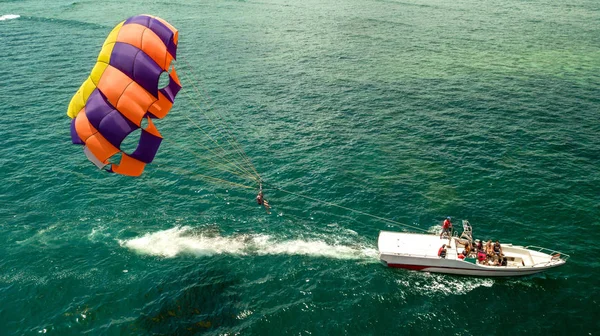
{"x":406,"y":110}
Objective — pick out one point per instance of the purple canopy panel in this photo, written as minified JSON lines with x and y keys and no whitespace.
{"x":147,"y":147}
{"x":171,"y":90}
{"x":146,"y":73}
{"x":137,"y":65}
{"x":122,"y":57}
{"x":74,"y":136}
{"x":115,"y":128}
{"x":97,"y":108}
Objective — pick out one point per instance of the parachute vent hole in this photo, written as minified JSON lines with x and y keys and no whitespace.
{"x":144,"y":123}
{"x":163,"y":80}
{"x":131,"y":142}
{"x":116,"y":159}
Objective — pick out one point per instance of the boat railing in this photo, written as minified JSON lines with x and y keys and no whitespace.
{"x":556,"y":255}
{"x":413,"y":255}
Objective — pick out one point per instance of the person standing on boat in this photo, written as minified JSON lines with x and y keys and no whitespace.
{"x":446,"y":227}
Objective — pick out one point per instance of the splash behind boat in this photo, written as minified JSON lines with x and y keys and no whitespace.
{"x":419,"y":252}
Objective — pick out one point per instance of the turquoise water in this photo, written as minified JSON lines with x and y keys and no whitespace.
{"x":411,"y":111}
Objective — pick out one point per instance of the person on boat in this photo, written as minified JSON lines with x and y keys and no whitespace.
{"x":482,"y":257}
{"x":442,"y":251}
{"x":497,"y":249}
{"x":467,"y":249}
{"x":488,"y":248}
{"x":489,"y":251}
{"x":446,"y":227}
{"x":464,"y":254}
{"x":484,"y":252}
{"x":479,"y":246}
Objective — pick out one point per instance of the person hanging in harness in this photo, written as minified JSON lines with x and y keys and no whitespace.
{"x":260,"y":200}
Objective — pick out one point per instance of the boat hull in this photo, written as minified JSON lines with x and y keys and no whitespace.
{"x":419,"y":252}
{"x":457,"y":267}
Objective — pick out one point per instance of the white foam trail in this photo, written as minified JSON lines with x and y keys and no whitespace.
{"x":436,"y":284}
{"x":9,"y":17}
{"x":180,"y":240}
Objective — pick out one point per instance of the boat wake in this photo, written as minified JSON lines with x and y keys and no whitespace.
{"x":9,"y":17}
{"x":182,"y":240}
{"x":438,"y":284}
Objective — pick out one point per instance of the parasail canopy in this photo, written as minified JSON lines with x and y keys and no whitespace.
{"x":122,"y":95}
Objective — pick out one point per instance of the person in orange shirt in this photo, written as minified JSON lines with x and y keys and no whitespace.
{"x":446,"y":227}
{"x":442,"y":251}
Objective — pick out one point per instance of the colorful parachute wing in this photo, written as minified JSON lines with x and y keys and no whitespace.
{"x":123,"y":90}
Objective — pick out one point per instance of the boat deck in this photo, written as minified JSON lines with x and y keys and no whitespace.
{"x":416,"y":244}
{"x":416,"y":251}
{"x":428,"y":245}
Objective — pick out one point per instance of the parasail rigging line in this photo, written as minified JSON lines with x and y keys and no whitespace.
{"x":224,"y":156}
{"x":198,"y":156}
{"x":349,"y":209}
{"x":240,"y":165}
{"x":233,"y":142}
{"x":241,"y":171}
{"x":231,"y":139}
{"x":186,"y":172}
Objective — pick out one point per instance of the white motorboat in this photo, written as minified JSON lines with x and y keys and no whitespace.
{"x":419,"y":252}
